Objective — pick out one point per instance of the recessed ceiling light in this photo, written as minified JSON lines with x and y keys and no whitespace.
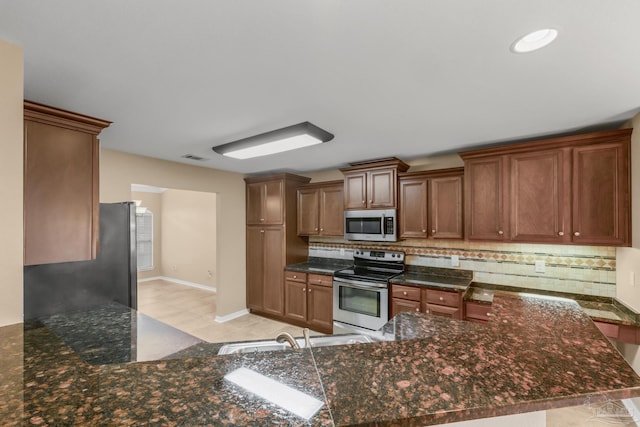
{"x":534,"y":40}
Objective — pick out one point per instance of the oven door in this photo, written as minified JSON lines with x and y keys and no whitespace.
{"x":361,"y":304}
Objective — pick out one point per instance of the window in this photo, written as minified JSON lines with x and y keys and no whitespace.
{"x":144,"y":240}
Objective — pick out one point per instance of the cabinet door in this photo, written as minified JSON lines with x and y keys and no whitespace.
{"x":399,"y":305}
{"x":601,"y":195}
{"x":332,"y":211}
{"x":355,"y":190}
{"x":484,"y":193}
{"x":320,"y":307}
{"x":539,"y":197}
{"x":255,"y":198}
{"x":295,"y":300}
{"x":413,"y":208}
{"x":382,"y":189}
{"x":273,"y":204}
{"x":255,"y":274}
{"x":308,"y":206}
{"x":445,"y":208}
{"x":273,"y":279}
{"x":60,"y":194}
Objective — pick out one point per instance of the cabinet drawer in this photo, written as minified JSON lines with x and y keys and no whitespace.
{"x":452,"y":299}
{"x":477,"y":311}
{"x":405,"y":292}
{"x":295,"y":276}
{"x":443,"y":310}
{"x":320,"y":279}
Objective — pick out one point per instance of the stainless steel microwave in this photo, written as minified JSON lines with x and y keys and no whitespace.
{"x":374,"y":225}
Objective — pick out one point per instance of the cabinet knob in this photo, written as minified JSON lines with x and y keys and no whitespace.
{"x":500,"y":232}
{"x":405,"y":293}
{"x":304,"y":289}
{"x":262,"y":231}
{"x":424,"y":231}
{"x":441,"y":299}
{"x":364,"y":202}
{"x":370,"y":201}
{"x":261,"y":219}
{"x":315,"y":229}
{"x":295,"y":277}
{"x":561,"y":233}
{"x":427,"y":311}
{"x":433,"y":231}
{"x":489,"y":314}
{"x":577,"y":233}
{"x":418,"y":309}
{"x":322,"y":229}
{"x":309,"y":290}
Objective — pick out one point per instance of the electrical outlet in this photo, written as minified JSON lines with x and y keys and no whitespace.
{"x":209,"y":274}
{"x":540,"y":267}
{"x":455,"y":261}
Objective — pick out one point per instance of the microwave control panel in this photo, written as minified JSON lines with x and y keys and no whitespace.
{"x":388,"y":226}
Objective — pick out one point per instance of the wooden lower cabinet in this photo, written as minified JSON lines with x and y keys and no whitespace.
{"x":265,"y":255}
{"x":309,"y":300}
{"x":477,"y":312}
{"x":629,"y":334}
{"x":425,"y":300}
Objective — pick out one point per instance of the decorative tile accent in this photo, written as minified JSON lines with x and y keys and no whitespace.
{"x":588,"y":270}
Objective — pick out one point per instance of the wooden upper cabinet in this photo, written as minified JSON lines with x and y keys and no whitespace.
{"x":61,"y":185}
{"x":372,"y":185}
{"x":355,"y":190}
{"x":430,"y":204}
{"x":601,"y":194}
{"x":413,"y":208}
{"x":265,"y":202}
{"x":445,"y":208}
{"x":567,"y":190}
{"x":321,"y":209}
{"x":539,"y":196}
{"x":308,"y":211}
{"x":484,"y":198}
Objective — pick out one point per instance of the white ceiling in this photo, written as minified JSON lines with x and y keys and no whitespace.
{"x":410,"y":78}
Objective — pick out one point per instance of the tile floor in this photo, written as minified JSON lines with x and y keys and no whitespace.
{"x":193,"y":310}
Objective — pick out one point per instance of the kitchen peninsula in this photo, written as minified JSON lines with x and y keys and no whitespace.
{"x":535,"y":353}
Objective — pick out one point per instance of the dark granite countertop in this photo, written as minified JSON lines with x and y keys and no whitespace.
{"x":535,"y":353}
{"x":603,"y":309}
{"x":435,"y":278}
{"x":320,"y":265}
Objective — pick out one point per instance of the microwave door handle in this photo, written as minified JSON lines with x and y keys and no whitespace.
{"x":382,"y":225}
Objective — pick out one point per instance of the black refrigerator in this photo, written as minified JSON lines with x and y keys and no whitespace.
{"x":111,"y":277}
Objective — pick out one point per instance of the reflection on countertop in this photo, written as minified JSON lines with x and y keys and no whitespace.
{"x":536,"y":353}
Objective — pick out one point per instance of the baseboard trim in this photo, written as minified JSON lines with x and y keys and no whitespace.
{"x":180,"y":282}
{"x":228,"y":317}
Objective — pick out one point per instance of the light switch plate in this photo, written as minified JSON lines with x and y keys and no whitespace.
{"x":540,"y":267}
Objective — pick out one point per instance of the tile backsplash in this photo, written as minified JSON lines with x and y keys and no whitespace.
{"x":588,"y":270}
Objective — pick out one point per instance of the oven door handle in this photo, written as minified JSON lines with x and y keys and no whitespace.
{"x":360,"y":285}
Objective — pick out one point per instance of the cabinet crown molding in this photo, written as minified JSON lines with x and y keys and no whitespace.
{"x":380,"y":163}
{"x":274,"y":177}
{"x":63,"y":118}
{"x":551,"y":143}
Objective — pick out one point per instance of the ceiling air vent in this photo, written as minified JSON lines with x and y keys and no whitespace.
{"x":194,"y":157}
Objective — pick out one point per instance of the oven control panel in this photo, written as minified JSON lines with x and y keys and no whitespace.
{"x":379,"y":255}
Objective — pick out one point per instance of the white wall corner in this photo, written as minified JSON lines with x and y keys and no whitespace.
{"x":228,"y":317}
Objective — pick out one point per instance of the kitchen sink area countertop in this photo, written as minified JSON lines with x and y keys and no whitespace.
{"x":536,"y":353}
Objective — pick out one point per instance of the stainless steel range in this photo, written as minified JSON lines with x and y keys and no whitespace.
{"x":361,"y":292}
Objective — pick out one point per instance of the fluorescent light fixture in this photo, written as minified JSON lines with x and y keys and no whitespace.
{"x":534,"y":40}
{"x":276,"y":141}
{"x":288,"y":398}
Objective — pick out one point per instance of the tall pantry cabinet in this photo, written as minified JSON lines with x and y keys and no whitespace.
{"x":272,"y":240}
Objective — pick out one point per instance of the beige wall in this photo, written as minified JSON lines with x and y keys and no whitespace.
{"x":119,"y":170}
{"x":189,"y":236}
{"x":153,"y":202}
{"x":11,"y":223}
{"x":628,"y":259}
